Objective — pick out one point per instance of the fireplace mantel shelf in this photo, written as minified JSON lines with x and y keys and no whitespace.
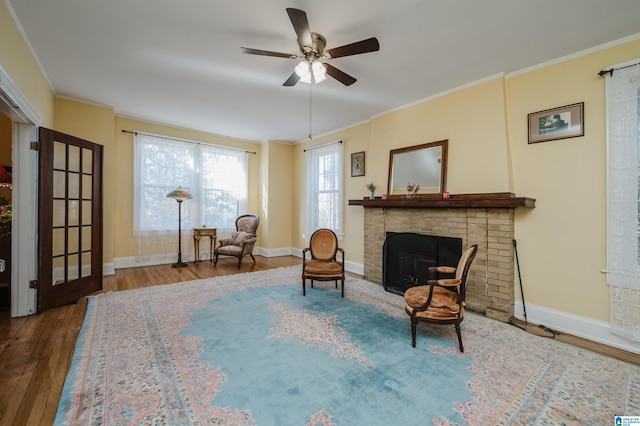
{"x":498,"y":200}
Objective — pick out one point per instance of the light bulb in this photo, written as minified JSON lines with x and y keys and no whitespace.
{"x":302,"y":69}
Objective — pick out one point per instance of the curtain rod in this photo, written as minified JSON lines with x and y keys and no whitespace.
{"x":320,"y":146}
{"x":184,"y":140}
{"x":610,"y":71}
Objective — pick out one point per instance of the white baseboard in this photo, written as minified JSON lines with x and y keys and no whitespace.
{"x":587,"y":328}
{"x":108,"y":269}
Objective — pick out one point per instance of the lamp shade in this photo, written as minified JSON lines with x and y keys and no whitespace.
{"x":5,"y":178}
{"x":180,"y":194}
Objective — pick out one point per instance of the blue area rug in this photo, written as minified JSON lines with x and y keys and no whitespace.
{"x":250,"y":349}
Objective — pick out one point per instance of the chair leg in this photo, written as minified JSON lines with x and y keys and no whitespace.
{"x":414,"y":325}
{"x":304,"y":287}
{"x":254,"y":259}
{"x":215,"y":262}
{"x":342,"y":286}
{"x":459,"y":337}
{"x":336,"y":283}
{"x":239,"y":261}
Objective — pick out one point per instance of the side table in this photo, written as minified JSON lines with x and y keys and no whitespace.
{"x":198,"y":233}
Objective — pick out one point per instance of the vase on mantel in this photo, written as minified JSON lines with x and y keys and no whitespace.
{"x":372,"y":195}
{"x":409,"y":195}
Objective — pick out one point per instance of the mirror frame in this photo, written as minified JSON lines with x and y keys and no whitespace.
{"x":443,"y":167}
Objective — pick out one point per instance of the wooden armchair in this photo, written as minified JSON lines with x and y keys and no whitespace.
{"x":241,"y":242}
{"x":440,"y":301}
{"x":323,"y":265}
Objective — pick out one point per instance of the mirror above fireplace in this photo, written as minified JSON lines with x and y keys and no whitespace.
{"x":424,"y":165}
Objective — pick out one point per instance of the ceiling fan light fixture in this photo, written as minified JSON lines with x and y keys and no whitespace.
{"x":319,"y":72}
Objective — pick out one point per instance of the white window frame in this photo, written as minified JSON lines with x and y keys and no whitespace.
{"x":325,"y":188}
{"x":186,"y":166}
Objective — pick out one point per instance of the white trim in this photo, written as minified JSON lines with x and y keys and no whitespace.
{"x":587,"y":328}
{"x":24,"y":197}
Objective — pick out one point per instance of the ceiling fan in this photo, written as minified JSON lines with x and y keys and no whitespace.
{"x":310,"y":69}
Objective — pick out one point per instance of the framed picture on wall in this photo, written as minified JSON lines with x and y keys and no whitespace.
{"x":557,"y":123}
{"x":357,"y":164}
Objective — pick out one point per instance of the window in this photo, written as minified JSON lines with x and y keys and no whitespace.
{"x":324,"y":188}
{"x":216,"y":177}
{"x":623,"y":200}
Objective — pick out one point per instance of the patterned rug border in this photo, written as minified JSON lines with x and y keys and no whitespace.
{"x":492,"y":402}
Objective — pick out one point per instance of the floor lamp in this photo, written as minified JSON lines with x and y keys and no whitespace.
{"x":180,"y":194}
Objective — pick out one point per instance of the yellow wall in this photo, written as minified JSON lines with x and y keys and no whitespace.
{"x":95,"y":124}
{"x":19,"y":64}
{"x":276,"y":189}
{"x":562,"y":242}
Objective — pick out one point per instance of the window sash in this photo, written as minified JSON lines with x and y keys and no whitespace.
{"x":215,"y":176}
{"x":324,"y":189}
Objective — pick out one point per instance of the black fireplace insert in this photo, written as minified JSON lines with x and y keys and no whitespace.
{"x":406,"y":257}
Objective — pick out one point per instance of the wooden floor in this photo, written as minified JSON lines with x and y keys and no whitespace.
{"x":35,"y":351}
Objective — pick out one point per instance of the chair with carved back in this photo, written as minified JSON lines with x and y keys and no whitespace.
{"x":441,"y":301}
{"x":241,"y":242}
{"x":323,"y":264}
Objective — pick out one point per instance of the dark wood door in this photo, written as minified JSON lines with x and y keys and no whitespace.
{"x":69,"y":219}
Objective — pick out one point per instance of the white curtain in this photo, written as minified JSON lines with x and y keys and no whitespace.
{"x":215,"y":176}
{"x":324,"y":182}
{"x":623,"y":200}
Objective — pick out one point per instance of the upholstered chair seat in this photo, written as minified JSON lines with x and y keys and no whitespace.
{"x":440,"y":301}
{"x":323,"y":265}
{"x":241,"y":242}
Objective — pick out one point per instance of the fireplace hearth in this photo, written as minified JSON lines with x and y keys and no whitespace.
{"x":408,"y":255}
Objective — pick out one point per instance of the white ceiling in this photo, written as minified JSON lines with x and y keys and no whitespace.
{"x":178,"y":62}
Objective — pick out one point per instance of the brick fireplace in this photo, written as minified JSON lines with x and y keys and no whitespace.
{"x":483,"y":219}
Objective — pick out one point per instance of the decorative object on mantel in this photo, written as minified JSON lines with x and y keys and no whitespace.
{"x":557,"y":123}
{"x":492,"y":200}
{"x":357,"y":164}
{"x":446,"y":195}
{"x":372,"y":190}
{"x":179,"y":194}
{"x":412,"y":190}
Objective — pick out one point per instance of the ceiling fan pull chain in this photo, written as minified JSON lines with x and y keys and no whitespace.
{"x":310,"y":109}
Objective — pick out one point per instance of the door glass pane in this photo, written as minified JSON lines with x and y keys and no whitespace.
{"x":57,"y":246}
{"x":59,"y":211}
{"x":74,"y":212}
{"x":58,"y":184}
{"x":86,"y":238}
{"x":59,"y":156}
{"x":86,"y":213}
{"x":73,"y":270}
{"x":87,"y":161}
{"x":74,"y":158}
{"x":58,"y":270}
{"x":73,"y":244}
{"x":86,"y":264}
{"x":86,"y":187}
{"x":74,"y":185}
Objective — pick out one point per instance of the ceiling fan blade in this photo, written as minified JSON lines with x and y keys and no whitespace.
{"x":292,"y":80}
{"x":300,"y":25}
{"x":266,"y":53}
{"x":341,"y":76}
{"x":363,"y":46}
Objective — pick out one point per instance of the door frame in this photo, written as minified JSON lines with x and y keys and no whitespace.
{"x":24,"y":265}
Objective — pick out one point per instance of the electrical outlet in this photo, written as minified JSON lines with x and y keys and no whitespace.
{"x":2,"y":265}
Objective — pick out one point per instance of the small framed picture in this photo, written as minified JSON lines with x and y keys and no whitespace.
{"x":557,"y":123}
{"x":357,"y":164}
